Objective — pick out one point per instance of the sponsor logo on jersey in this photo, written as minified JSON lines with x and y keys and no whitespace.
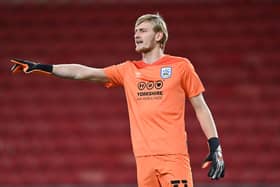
{"x":150,"y":90}
{"x":150,"y":85}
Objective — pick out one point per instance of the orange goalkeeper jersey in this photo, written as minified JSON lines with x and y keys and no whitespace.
{"x":155,"y":96}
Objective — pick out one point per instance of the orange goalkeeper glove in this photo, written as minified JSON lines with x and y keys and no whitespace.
{"x":27,"y":66}
{"x":215,"y":160}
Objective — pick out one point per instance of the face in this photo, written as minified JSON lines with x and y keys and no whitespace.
{"x":145,"y":37}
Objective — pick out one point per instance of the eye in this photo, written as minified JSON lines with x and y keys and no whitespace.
{"x":143,"y":30}
{"x":140,"y":30}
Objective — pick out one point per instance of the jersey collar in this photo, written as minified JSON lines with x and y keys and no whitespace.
{"x":141,"y":64}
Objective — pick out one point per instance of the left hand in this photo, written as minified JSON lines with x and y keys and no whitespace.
{"x":215,"y":160}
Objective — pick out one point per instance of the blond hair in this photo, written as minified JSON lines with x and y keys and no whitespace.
{"x":158,"y":23}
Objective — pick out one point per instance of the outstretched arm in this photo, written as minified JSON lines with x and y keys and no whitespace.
{"x":205,"y":118}
{"x":79,"y":72}
{"x":70,"y":71}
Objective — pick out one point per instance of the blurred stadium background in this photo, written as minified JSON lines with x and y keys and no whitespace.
{"x":56,"y":132}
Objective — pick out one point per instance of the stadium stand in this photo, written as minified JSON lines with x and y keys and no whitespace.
{"x":55,"y":131}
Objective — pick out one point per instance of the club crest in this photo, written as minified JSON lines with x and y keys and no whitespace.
{"x":165,"y":72}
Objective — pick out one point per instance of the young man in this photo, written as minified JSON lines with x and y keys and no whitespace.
{"x":155,"y":87}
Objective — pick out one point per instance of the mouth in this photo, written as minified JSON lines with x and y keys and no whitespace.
{"x":137,"y":42}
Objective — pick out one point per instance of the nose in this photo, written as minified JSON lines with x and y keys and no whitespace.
{"x":136,"y":35}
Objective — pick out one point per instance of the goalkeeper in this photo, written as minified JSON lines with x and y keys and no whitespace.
{"x":156,"y":88}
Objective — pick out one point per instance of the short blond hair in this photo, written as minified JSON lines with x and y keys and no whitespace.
{"x":159,"y":25}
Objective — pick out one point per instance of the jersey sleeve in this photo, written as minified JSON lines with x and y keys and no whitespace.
{"x":191,"y":82}
{"x":115,"y":74}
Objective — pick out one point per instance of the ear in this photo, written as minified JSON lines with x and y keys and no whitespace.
{"x":159,"y":36}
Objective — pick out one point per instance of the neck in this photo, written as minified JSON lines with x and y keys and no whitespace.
{"x":152,"y":56}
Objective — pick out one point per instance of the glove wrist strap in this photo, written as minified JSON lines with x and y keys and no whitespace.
{"x":214,"y":144}
{"x":45,"y":67}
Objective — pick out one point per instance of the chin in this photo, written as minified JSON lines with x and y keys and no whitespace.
{"x":142,"y":50}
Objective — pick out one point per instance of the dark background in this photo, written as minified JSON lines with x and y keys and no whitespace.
{"x":61,"y":132}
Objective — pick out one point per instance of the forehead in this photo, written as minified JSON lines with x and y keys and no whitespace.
{"x":145,"y":24}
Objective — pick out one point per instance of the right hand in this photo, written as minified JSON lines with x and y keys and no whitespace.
{"x":27,"y":66}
